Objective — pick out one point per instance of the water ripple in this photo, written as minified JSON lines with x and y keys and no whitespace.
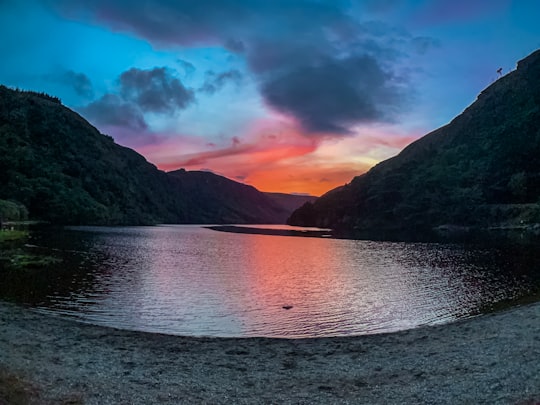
{"x":188,"y":280}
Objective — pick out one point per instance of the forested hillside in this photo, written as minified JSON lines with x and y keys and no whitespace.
{"x":482,"y":169}
{"x":58,"y":166}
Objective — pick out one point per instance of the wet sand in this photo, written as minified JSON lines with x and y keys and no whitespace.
{"x":491,"y":359}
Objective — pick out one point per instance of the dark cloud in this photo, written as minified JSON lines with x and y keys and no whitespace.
{"x":311,"y":58}
{"x":154,"y":90}
{"x":216,"y":81}
{"x":188,"y":67}
{"x":234,"y":45}
{"x":140,"y":91}
{"x":79,"y":82}
{"x":167,"y":22}
{"x":335,"y":94}
{"x":113,"y":110}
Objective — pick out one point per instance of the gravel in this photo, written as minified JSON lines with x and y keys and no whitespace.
{"x":490,"y":359}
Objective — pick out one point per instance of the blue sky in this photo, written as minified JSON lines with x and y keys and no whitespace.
{"x":293,"y":96}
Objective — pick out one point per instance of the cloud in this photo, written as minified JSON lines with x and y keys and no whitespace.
{"x":274,"y":155}
{"x":139,"y":92}
{"x":311,"y":59}
{"x":79,"y":82}
{"x":155,"y":90}
{"x":234,"y":45}
{"x":188,"y":67}
{"x":236,"y":141}
{"x":252,"y":152}
{"x":112,"y":110}
{"x":442,"y":11}
{"x":198,"y":159}
{"x":166,"y":22}
{"x":335,"y":94}
{"x":216,"y":81}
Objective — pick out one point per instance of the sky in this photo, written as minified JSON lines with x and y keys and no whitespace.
{"x":295,"y":96}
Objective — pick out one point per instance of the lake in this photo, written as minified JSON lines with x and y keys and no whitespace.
{"x":189,"y":280}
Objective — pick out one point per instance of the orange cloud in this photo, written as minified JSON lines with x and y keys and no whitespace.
{"x":276,"y":156}
{"x":261,"y":146}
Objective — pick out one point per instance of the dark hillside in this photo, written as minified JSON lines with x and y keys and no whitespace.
{"x":212,"y":196}
{"x":482,"y":169}
{"x":290,"y":201}
{"x":64,"y":171}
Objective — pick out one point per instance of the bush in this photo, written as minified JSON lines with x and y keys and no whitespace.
{"x":12,"y":211}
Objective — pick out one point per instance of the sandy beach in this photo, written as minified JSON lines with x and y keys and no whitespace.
{"x":491,"y":359}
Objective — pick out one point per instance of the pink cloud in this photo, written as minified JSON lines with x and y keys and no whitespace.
{"x":274,"y":155}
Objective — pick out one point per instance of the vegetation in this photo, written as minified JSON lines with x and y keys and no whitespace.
{"x":56,"y":167}
{"x":9,"y":236}
{"x":25,"y":274}
{"x":214,"y":198}
{"x":26,"y":261}
{"x":482,"y":170}
{"x":12,"y":211}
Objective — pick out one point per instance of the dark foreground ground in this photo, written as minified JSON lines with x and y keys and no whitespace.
{"x":493,"y":359}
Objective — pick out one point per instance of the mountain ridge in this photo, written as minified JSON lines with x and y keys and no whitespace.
{"x":64,"y":171}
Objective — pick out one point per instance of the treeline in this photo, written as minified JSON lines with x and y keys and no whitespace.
{"x":31,"y":93}
{"x":12,"y":211}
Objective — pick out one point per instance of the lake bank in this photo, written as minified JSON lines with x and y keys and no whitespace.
{"x":254,"y":230}
{"x":488,"y":359}
{"x":503,"y":234}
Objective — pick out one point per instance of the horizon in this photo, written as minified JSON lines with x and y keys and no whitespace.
{"x":298,"y":98}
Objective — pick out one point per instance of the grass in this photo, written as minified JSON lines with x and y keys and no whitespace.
{"x":8,"y":236}
{"x":15,"y":257}
{"x":19,"y":261}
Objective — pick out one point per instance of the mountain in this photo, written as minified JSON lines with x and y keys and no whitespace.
{"x":64,"y":171}
{"x":290,"y":201}
{"x":482,"y":169}
{"x":212,"y":196}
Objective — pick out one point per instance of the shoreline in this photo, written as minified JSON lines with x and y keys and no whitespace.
{"x":491,"y":359}
{"x":271,"y":232}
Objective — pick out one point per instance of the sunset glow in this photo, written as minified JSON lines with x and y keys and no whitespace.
{"x":300,"y":97}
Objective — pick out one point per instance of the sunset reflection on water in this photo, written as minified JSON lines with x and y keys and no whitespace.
{"x":188,"y":280}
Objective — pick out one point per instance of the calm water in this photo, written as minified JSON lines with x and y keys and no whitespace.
{"x":188,"y":280}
